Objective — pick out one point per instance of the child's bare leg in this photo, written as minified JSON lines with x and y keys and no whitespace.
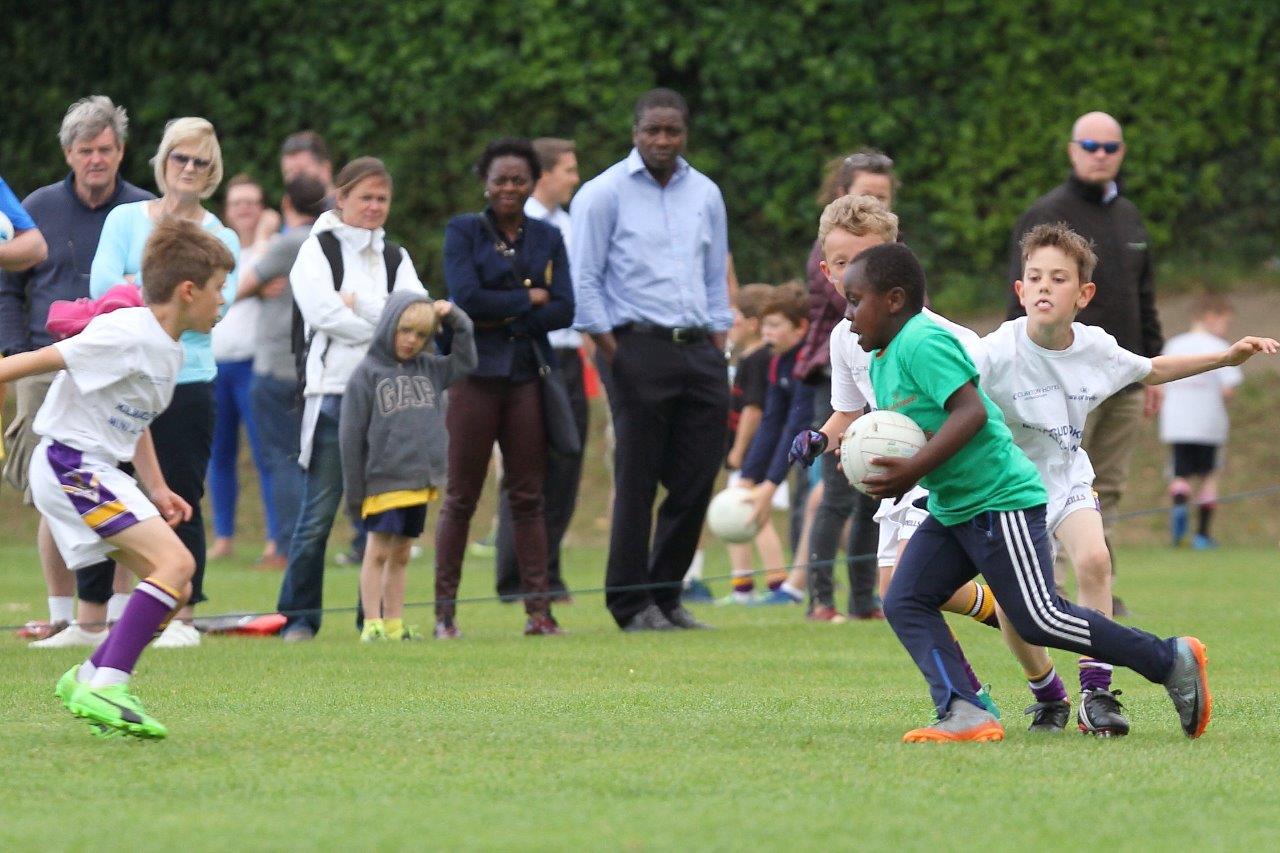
{"x":154,"y":553}
{"x":373,"y":574}
{"x":1206,"y":501}
{"x":769,"y":546}
{"x":740,"y":569}
{"x":1081,"y":536}
{"x":57,"y":580}
{"x":396,"y":565}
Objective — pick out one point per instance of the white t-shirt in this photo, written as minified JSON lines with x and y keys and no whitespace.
{"x":120,"y":375}
{"x":851,"y":391}
{"x":234,"y":338}
{"x":851,"y":365}
{"x":1047,"y":394}
{"x":559,"y":217}
{"x":1194,"y":411}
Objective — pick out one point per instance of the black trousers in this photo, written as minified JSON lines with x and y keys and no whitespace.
{"x":559,"y":493}
{"x":670,"y":403}
{"x":183,"y":437}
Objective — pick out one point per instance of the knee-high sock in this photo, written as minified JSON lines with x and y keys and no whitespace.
{"x":149,"y":606}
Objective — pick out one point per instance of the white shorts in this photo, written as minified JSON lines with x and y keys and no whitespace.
{"x":898,"y":522}
{"x":84,"y":499}
{"x":1079,"y":496}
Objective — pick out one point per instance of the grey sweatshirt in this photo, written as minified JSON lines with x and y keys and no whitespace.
{"x":391,"y":430}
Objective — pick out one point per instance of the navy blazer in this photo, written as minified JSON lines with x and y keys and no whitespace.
{"x":480,"y":282}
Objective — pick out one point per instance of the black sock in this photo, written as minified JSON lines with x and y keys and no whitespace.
{"x":1206,"y":515}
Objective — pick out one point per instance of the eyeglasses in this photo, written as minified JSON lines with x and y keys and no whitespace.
{"x":181,"y":161}
{"x":1092,"y":145}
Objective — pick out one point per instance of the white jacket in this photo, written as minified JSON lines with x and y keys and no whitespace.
{"x":342,"y":335}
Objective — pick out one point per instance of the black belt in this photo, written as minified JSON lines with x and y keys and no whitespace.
{"x":677,"y":335}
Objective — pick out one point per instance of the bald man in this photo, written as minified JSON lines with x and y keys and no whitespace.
{"x":1125,"y":305}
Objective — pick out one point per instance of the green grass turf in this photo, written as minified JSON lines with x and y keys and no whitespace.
{"x":766,"y":733}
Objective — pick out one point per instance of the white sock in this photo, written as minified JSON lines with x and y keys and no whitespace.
{"x":695,"y":567}
{"x":105,"y":676}
{"x":792,"y":591}
{"x":84,"y":674}
{"x":61,"y":608}
{"x":115,"y":606}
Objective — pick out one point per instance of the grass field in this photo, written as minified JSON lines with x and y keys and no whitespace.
{"x":767,"y":733}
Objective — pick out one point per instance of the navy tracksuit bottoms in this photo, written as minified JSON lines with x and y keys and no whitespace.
{"x":1011,"y":549}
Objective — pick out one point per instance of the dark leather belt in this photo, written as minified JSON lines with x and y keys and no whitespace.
{"x":677,"y":335}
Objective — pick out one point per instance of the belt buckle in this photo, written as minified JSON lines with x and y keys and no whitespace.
{"x":678,"y":335}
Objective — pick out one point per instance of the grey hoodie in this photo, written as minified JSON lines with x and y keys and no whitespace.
{"x":391,"y":430}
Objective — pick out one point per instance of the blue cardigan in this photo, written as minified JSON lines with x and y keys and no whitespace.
{"x":480,"y":283}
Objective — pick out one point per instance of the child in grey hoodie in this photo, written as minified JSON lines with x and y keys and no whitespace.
{"x":395,"y":445}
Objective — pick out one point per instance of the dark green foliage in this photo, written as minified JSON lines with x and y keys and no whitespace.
{"x":973,"y":99}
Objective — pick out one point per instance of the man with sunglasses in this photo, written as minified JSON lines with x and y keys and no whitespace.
{"x":1091,"y":204}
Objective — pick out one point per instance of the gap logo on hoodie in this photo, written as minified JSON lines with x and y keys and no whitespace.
{"x":405,"y":392}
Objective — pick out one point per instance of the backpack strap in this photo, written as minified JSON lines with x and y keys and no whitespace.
{"x":391,"y":257}
{"x":333,"y":254}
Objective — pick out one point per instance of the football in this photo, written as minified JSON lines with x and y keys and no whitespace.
{"x":730,"y":515}
{"x":876,"y":434}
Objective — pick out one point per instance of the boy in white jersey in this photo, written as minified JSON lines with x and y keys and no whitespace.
{"x":1193,"y":420}
{"x":1046,"y":373}
{"x":117,"y":376}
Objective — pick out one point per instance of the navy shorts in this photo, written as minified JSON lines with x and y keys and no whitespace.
{"x":405,"y":521}
{"x":1195,"y":460}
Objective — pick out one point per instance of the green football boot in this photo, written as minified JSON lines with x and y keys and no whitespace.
{"x":66,"y":686}
{"x":116,"y":708}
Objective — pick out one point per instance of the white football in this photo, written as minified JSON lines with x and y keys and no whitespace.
{"x":6,"y":228}
{"x":729,"y":515}
{"x":876,"y":434}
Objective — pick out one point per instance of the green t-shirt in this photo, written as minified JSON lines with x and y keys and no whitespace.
{"x":916,"y":375}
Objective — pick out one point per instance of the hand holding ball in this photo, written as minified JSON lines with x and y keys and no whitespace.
{"x":877,"y":434}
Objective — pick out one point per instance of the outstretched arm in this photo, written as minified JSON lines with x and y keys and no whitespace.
{"x":44,"y":360}
{"x":1167,"y":368}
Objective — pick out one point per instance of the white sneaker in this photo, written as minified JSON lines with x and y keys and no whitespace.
{"x":72,"y":635}
{"x":178,"y":635}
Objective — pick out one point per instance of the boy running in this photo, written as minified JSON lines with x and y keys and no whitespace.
{"x":1046,"y":373}
{"x":986,"y":514}
{"x":117,"y":376}
{"x":394,"y":445}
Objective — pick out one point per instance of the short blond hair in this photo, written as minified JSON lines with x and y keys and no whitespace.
{"x":1060,"y":236}
{"x":859,"y":215}
{"x":195,"y":131}
{"x":419,"y":315}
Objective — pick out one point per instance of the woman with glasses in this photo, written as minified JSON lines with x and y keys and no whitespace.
{"x":510,"y":274}
{"x":188,"y":169}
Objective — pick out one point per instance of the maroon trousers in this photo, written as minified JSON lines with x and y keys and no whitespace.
{"x":482,"y":411}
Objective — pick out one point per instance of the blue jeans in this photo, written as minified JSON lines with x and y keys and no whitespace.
{"x":302,"y":590}
{"x":231,"y":407}
{"x":277,"y":414}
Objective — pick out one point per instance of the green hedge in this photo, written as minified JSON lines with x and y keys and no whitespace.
{"x":973,"y":99}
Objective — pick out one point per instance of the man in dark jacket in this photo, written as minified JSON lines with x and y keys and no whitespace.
{"x":70,"y":213}
{"x":1125,"y":303}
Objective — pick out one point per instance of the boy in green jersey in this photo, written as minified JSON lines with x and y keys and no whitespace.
{"x":986,"y":514}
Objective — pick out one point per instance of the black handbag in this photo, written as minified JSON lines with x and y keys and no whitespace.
{"x":557,"y":411}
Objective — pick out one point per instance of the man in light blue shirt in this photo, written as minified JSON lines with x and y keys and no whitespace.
{"x":649,"y":260}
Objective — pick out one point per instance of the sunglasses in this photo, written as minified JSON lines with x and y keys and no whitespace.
{"x":1092,"y":145}
{"x":181,"y":161}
